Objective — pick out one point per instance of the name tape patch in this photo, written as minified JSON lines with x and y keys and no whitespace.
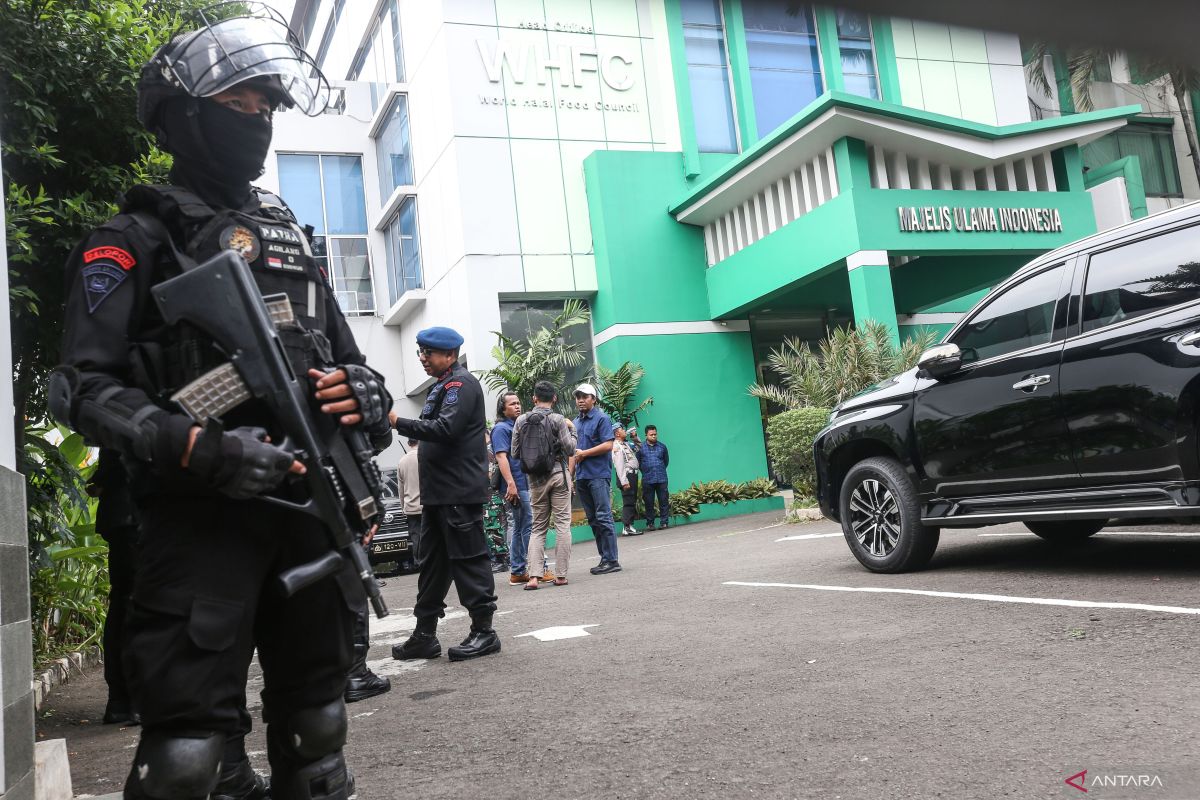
{"x":110,"y":253}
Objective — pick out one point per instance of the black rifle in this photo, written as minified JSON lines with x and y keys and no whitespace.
{"x":220,"y":298}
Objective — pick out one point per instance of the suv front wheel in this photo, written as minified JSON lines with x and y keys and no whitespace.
{"x":881,"y":518}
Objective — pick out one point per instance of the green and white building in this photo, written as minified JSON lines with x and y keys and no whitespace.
{"x":709,"y":175}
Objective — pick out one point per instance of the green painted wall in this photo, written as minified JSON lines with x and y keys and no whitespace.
{"x":649,"y":268}
{"x":701,"y":408}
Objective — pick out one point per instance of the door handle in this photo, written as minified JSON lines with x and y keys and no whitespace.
{"x":1031,"y":383}
{"x":1191,"y":338}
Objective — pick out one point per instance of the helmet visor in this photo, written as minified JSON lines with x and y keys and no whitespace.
{"x":226,"y":53}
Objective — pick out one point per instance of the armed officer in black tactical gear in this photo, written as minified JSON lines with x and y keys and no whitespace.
{"x":204,"y":596}
{"x":452,"y":465}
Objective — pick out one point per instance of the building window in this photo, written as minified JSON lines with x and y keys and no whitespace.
{"x":784,"y":60}
{"x":394,"y":149}
{"x":858,"y":57}
{"x":381,"y":60}
{"x":326,"y":192}
{"x":404,"y":251}
{"x":335,"y":16}
{"x":521,"y":319}
{"x":1155,"y":149}
{"x":708,"y":75}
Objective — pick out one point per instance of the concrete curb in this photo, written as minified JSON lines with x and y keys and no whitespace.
{"x":804,"y":514}
{"x":60,"y":672}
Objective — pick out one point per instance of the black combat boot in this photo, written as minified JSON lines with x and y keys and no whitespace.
{"x":362,"y":683}
{"x":481,"y":641}
{"x":422,"y":644}
{"x":239,"y":781}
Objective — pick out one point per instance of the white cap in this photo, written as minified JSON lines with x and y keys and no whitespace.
{"x":587,"y":388}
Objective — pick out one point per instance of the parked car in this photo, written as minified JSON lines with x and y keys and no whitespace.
{"x":1067,"y":397}
{"x":393,"y":542}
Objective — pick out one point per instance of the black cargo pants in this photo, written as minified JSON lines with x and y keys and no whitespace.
{"x":205,"y":597}
{"x":453,"y":546}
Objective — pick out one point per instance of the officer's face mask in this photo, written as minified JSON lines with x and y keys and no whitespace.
{"x":237,"y":141}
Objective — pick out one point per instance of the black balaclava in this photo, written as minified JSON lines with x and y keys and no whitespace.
{"x":217,"y":150}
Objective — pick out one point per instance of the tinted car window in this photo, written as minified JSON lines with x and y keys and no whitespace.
{"x":1022,"y":316}
{"x":1142,"y":277}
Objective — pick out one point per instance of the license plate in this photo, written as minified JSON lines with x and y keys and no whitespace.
{"x":389,"y":547}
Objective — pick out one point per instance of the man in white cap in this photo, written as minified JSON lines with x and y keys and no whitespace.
{"x":593,"y":474}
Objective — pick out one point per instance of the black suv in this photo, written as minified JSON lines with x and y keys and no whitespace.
{"x":393,"y":541}
{"x":1066,"y":398}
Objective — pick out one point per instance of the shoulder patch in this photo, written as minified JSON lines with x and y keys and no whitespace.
{"x":451,"y":396}
{"x":100,"y":279}
{"x":454,"y":384}
{"x":110,"y":253}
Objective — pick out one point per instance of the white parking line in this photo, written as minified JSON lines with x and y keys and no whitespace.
{"x":1183,"y":534}
{"x":672,"y":544}
{"x":993,"y":598}
{"x":810,"y":536}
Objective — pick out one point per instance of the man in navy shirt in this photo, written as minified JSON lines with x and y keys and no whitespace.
{"x":593,"y":474}
{"x":654,"y":459}
{"x":516,"y":486}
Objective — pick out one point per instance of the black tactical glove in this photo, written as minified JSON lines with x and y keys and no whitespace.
{"x":239,"y":463}
{"x":374,"y":401}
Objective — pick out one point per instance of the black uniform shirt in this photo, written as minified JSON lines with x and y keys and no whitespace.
{"x":452,"y":461}
{"x":110,"y":312}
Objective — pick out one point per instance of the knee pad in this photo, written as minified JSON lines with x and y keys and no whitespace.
{"x":313,"y":733}
{"x":326,"y":779}
{"x":177,"y":766}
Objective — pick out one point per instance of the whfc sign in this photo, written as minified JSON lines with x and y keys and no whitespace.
{"x":979,"y":218}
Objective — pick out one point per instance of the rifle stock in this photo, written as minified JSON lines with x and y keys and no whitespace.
{"x":220,"y":298}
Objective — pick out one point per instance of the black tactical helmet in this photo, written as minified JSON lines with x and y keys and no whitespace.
{"x":255,"y":46}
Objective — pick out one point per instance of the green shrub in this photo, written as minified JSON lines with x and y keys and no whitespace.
{"x":790,"y":442}
{"x":686,"y":503}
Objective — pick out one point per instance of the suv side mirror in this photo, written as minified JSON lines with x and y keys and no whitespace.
{"x":940,"y":361}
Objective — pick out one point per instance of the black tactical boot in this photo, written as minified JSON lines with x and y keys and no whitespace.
{"x":419,"y":645}
{"x":120,"y":712}
{"x":481,"y":641}
{"x":362,"y":683}
{"x":239,"y":781}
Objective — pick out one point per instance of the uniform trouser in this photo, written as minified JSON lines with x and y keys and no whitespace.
{"x":205,"y":597}
{"x":649,"y":492}
{"x":453,"y":547}
{"x":629,"y":499}
{"x":414,"y":535}
{"x":551,"y":502}
{"x":122,"y":566}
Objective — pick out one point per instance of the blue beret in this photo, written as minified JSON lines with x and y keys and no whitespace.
{"x":440,"y":338}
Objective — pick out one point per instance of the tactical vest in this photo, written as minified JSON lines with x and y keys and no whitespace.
{"x":281,"y":262}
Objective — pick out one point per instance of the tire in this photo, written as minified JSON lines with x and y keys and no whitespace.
{"x":1068,"y":531}
{"x":894,"y":540}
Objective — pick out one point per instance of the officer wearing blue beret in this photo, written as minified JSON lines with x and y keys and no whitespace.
{"x":452,"y":467}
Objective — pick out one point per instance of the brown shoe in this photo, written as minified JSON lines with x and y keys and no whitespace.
{"x":560,"y":581}
{"x":517,"y":578}
{"x":532,"y":584}
{"x":547,"y":577}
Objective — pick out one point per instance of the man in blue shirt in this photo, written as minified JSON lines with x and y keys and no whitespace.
{"x":593,"y":474}
{"x":515,"y":485}
{"x":654,"y":458}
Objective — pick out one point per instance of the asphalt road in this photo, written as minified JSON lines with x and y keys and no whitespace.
{"x":692,"y":680}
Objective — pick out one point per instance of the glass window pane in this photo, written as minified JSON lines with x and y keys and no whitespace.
{"x":704,"y":46}
{"x":345,"y":204}
{"x":772,"y":15}
{"x":768,"y":50}
{"x":779,"y":95}
{"x":300,"y":187}
{"x":700,"y":12}
{"x":862,"y":85}
{"x":1141,"y":278}
{"x":522,"y":318}
{"x":1021,"y":317}
{"x":853,"y":24}
{"x":351,"y":275}
{"x":713,"y":110}
{"x":404,"y":251}
{"x":1100,"y":152}
{"x":1166,"y":150}
{"x":397,"y":49}
{"x":394,"y":150}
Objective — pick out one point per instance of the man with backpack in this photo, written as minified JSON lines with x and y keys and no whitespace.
{"x":542,"y":441}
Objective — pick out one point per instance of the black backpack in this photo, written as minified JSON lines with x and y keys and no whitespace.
{"x":539,"y":444}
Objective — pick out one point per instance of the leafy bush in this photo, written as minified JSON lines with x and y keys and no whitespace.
{"x":848,"y":361}
{"x":686,"y":503}
{"x":790,"y":442}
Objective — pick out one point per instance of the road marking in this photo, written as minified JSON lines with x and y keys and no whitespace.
{"x":558,"y":632}
{"x":994,"y":598}
{"x":672,"y":544}
{"x":752,"y":530}
{"x":1182,"y":534}
{"x":810,"y":536}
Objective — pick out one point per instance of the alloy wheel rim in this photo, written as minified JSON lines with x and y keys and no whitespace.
{"x":875,"y":517}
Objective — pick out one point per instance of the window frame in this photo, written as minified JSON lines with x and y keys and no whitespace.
{"x":822,"y":64}
{"x":874,"y":56}
{"x":394,"y":220}
{"x":1080,"y":290}
{"x":1056,"y":316}
{"x":727,"y":68}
